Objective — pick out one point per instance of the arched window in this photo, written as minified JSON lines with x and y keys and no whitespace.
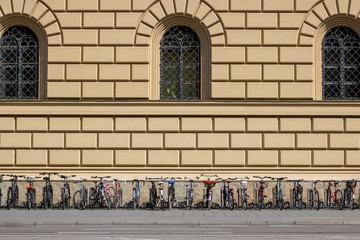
{"x":180,"y":65}
{"x":341,"y":65}
{"x":19,"y":60}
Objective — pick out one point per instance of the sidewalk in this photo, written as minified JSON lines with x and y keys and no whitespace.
{"x":178,"y":217}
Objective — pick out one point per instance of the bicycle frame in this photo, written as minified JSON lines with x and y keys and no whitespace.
{"x":336,"y":196}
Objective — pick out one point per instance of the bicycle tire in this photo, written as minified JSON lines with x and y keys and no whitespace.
{"x":120,"y":198}
{"x":209,"y":198}
{"x":352,"y":200}
{"x":28,"y":200}
{"x":169,"y":200}
{"x":62,"y":194}
{"x":79,"y":200}
{"x":300,"y":200}
{"x":231,"y":202}
{"x":260,"y":200}
{"x":134,"y":200}
{"x":339,"y":199}
{"x":8,"y":200}
{"x":92,"y":199}
{"x":45,"y":205}
{"x":316,"y":200}
{"x":328,"y":199}
{"x":280,"y":202}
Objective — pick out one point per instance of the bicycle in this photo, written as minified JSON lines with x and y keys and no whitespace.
{"x":314,"y":199}
{"x":261,"y":191}
{"x":101,"y":195}
{"x":171,"y":192}
{"x":80,"y":197}
{"x":136,"y":193}
{"x":65,"y":192}
{"x":208,"y":184}
{"x":30,"y":193}
{"x":13,"y":192}
{"x":47,"y":191}
{"x":297,"y":193}
{"x":278,"y":194}
{"x":1,"y":179}
{"x":118,"y":197}
{"x":349,"y":194}
{"x":152,"y":193}
{"x":227,"y":193}
{"x":242,"y":194}
{"x":189,"y":199}
{"x":333,"y":199}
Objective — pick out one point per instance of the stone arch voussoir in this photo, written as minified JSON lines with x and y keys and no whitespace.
{"x":321,"y":12}
{"x":39,"y":12}
{"x":161,"y":9}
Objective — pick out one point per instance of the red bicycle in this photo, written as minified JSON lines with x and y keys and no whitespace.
{"x":334,"y":198}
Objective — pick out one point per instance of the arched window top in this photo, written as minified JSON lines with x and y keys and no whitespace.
{"x":180,"y":65}
{"x":19,"y":62}
{"x":341,"y":65}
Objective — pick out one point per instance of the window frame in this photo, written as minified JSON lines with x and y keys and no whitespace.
{"x":324,"y":27}
{"x":205,"y":55}
{"x":11,"y":21}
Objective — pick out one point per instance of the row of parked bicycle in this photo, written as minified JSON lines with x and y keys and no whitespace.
{"x":107,"y":192}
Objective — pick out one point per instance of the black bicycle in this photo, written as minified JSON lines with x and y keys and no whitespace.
{"x":13,"y":192}
{"x":47,"y":191}
{"x":81,"y":196}
{"x":1,"y":179}
{"x":297,"y":193}
{"x":314,"y":199}
{"x":65,"y":192}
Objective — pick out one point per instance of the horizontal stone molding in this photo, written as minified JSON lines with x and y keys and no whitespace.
{"x":270,"y":109}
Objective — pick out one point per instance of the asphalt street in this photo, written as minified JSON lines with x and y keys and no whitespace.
{"x":179,"y":224}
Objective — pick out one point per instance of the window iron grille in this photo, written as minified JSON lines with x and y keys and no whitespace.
{"x":341,"y":65}
{"x":19,"y":64}
{"x":180,"y":65}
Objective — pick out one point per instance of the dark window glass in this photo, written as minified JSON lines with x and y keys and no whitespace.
{"x":180,"y":65}
{"x":341,"y":65}
{"x":19,"y":64}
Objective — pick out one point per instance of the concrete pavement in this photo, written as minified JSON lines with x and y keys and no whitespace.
{"x":179,"y":217}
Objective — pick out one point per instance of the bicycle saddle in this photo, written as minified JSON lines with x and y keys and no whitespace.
{"x":171,"y":182}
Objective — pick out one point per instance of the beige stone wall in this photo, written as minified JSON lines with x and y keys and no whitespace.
{"x":260,"y":49}
{"x":128,"y":138}
{"x":106,"y":50}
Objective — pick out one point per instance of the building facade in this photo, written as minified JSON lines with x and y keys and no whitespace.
{"x":179,"y":87}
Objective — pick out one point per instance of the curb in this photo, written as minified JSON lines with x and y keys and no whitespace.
{"x":174,"y":222}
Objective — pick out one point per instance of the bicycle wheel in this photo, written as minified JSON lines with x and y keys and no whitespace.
{"x":28,"y":200}
{"x":316,"y":200}
{"x":231,"y":202}
{"x":260,"y":200}
{"x":79,"y":200}
{"x":63,"y":203}
{"x":8,"y":200}
{"x":352,"y":201}
{"x":339,"y":199}
{"x":170,"y":200}
{"x":120,"y":198}
{"x":328,"y":199}
{"x":134,"y":199}
{"x":45,"y":203}
{"x":300,"y":197}
{"x":280,"y":202}
{"x":92,"y":198}
{"x":209,"y":198}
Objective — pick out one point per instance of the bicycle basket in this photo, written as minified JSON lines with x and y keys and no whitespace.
{"x":209,"y":183}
